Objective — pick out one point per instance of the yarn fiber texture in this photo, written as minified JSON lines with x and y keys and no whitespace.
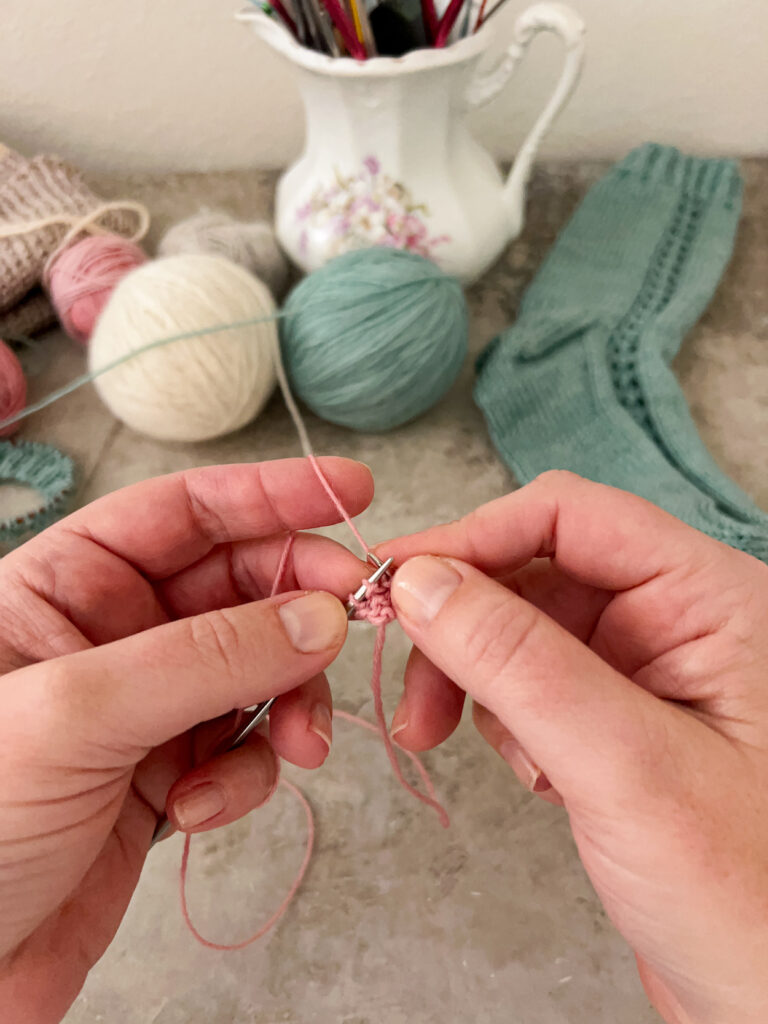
{"x":374,"y":338}
{"x":250,"y":245}
{"x":84,"y":276}
{"x":33,"y":314}
{"x":195,"y":389}
{"x":13,"y":388}
{"x":582,"y":380}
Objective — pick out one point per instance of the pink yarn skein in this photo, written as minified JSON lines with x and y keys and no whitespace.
{"x":84,"y":276}
{"x":13,"y":388}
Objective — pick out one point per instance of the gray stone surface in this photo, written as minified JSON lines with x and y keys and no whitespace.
{"x":398,"y":920}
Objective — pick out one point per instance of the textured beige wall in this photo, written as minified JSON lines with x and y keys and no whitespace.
{"x":158,"y":84}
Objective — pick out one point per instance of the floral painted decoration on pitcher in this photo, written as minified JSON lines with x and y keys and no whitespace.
{"x":364,"y":209}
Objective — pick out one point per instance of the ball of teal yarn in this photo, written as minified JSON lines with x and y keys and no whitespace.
{"x":374,"y":338}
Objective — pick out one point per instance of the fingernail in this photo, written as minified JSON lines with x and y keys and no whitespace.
{"x":321,"y":723}
{"x":199,"y":805}
{"x":399,"y":720}
{"x":314,"y":622}
{"x":524,"y":768}
{"x":422,"y":586}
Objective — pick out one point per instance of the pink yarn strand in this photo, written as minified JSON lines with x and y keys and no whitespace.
{"x":336,"y":501}
{"x":272,"y":921}
{"x":282,"y":565}
{"x":378,"y":706}
{"x":370,"y":727}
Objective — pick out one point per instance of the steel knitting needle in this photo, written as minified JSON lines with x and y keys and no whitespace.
{"x":382,"y":569}
{"x":254,"y":716}
{"x":258,"y":713}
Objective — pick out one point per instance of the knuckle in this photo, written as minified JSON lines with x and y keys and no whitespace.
{"x":217,"y":640}
{"x":49,"y":708}
{"x":63,"y":694}
{"x":202,"y":513}
{"x":556,"y":479}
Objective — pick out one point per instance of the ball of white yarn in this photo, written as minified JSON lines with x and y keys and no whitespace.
{"x":194,"y":389}
{"x":251,"y":245}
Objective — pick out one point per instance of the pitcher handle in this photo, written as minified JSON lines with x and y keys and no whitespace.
{"x":543,"y":17}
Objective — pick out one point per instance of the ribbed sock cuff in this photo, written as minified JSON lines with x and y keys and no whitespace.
{"x":698,"y":177}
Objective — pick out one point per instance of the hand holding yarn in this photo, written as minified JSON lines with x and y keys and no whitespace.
{"x":625,"y":678}
{"x":179,"y":547}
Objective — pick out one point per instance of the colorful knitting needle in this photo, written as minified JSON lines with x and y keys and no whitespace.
{"x":363,"y":26}
{"x":356,"y":20}
{"x":276,"y":7}
{"x":429,"y":16}
{"x":482,"y":17}
{"x":447,"y":22}
{"x":311,"y":12}
{"x":466,"y":26}
{"x":343,"y":23}
{"x":327,"y":29}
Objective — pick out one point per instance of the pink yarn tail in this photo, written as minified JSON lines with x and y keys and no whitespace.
{"x":272,"y":921}
{"x":428,"y":798}
{"x":282,"y":565}
{"x":336,"y":502}
{"x":375,"y":729}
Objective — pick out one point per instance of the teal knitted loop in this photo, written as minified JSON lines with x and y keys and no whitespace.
{"x":43,"y":468}
{"x":582,"y":381}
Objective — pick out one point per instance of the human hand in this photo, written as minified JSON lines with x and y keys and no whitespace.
{"x":122,"y":628}
{"x":623,"y":655}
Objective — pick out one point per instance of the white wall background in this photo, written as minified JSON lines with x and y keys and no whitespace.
{"x":177,"y":84}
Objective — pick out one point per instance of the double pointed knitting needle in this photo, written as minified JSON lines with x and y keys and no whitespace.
{"x":382,"y":569}
{"x":254,"y":716}
{"x":259,"y":712}
{"x":363,"y":26}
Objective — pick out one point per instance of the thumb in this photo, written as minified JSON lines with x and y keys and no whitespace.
{"x":588,"y":727}
{"x":136,"y":693}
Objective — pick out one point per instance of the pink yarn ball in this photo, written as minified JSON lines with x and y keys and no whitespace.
{"x":13,"y":388}
{"x":84,"y":276}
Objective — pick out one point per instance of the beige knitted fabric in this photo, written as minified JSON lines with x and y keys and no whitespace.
{"x":31,"y":190}
{"x":33,"y":314}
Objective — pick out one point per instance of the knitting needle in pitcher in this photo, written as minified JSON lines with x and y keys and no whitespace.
{"x":259,"y":712}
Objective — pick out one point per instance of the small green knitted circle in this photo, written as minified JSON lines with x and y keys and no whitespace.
{"x":46,"y":470}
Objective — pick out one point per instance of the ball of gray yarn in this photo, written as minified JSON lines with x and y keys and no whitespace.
{"x":250,"y":245}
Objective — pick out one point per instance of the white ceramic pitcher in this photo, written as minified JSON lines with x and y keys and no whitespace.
{"x":388,"y":159}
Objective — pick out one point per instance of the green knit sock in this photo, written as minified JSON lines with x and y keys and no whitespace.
{"x":582,"y":380}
